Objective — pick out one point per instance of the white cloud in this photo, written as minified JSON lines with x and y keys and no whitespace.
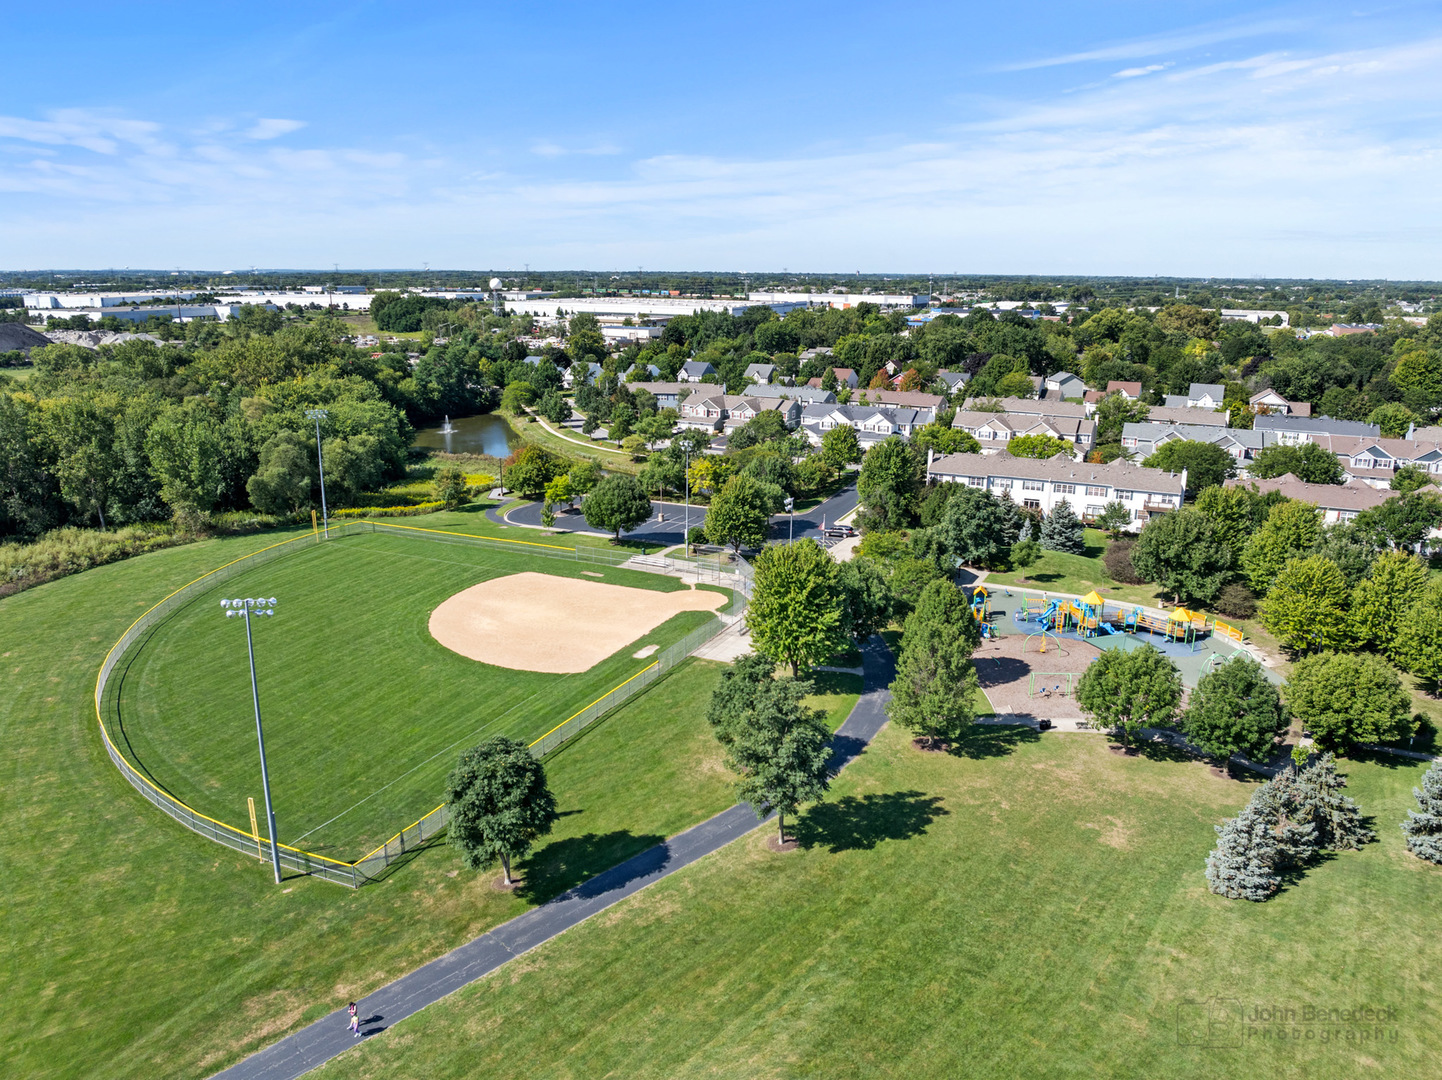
{"x":1263,"y":164}
{"x":1132,"y":73}
{"x":273,"y":129}
{"x":1166,"y":43}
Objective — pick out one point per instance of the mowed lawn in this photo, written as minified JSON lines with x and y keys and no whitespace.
{"x":1035,"y":909}
{"x":134,"y":948}
{"x":365,"y":712}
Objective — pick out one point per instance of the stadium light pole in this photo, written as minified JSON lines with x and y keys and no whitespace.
{"x":243,"y":608}
{"x":318,"y":415}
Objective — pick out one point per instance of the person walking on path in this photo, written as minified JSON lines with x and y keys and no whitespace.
{"x":354,"y":1021}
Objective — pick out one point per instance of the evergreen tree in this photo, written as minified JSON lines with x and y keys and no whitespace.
{"x":1296,"y":839}
{"x":1063,"y":531}
{"x":1424,"y":829}
{"x":1316,"y":798}
{"x":1242,"y":865}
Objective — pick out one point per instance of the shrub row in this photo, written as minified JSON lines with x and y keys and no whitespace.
{"x":389,"y":511}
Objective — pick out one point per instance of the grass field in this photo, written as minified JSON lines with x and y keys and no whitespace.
{"x":134,"y":948}
{"x":1057,"y":571}
{"x":1034,"y":907}
{"x":365,"y":711}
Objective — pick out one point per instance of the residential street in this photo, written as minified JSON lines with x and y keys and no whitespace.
{"x":672,"y":530}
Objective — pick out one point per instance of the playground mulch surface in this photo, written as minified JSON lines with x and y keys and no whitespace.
{"x":1005,"y":664}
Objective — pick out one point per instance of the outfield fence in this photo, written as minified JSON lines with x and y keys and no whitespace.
{"x":369,"y":866}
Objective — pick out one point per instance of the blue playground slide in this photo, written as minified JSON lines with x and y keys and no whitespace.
{"x":1107,"y":627}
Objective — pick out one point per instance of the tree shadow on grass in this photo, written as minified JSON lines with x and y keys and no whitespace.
{"x":993,"y":740}
{"x":564,"y":864}
{"x":1292,"y":875}
{"x":859,"y":824}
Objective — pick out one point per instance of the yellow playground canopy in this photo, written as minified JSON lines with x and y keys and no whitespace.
{"x":1094,"y":598}
{"x":1181,"y":614}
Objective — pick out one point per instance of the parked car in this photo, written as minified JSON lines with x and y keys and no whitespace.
{"x":840,"y":532}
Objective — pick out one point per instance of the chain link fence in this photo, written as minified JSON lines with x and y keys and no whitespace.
{"x":371,"y":865}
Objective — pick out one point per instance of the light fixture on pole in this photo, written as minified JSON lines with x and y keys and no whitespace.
{"x":791,"y":525}
{"x":318,"y":415}
{"x":245,"y":607}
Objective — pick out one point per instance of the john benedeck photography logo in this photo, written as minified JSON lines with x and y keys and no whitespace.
{"x":1220,"y":1023}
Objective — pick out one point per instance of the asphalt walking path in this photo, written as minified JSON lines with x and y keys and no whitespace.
{"x":312,"y":1046}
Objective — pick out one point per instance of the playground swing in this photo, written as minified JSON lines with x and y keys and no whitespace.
{"x":1056,"y":689}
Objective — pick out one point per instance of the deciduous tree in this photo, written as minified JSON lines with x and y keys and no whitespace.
{"x":497,"y":804}
{"x":1126,"y":691}
{"x":1180,"y":553}
{"x":1207,"y":465}
{"x":888,"y":485}
{"x":933,"y":693}
{"x":617,"y":504}
{"x":1381,"y":601}
{"x":1235,"y":709}
{"x":1291,"y":530}
{"x":1307,"y":606}
{"x":795,"y":614}
{"x":1349,"y":698}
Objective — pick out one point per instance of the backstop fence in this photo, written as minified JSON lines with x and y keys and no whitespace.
{"x":369,"y":866}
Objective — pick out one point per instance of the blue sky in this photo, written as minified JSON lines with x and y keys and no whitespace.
{"x":1182,"y":138}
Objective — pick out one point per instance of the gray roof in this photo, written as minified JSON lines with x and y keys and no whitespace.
{"x":1176,"y":401}
{"x":1036,"y":406}
{"x":1163,"y":414}
{"x":1119,"y":473}
{"x":698,"y":367}
{"x":858,"y":414}
{"x":1200,"y":389}
{"x":1063,"y":376}
{"x":1156,"y":433}
{"x":953,"y":379}
{"x":1314,"y":425}
{"x":533,"y":360}
{"x":800,"y":393}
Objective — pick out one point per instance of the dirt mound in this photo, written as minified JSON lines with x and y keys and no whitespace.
{"x":14,"y":335}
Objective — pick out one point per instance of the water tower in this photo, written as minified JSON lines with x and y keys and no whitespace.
{"x":498,"y":303}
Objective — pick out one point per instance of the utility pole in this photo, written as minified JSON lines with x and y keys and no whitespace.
{"x":318,"y":415}
{"x":244,"y":608}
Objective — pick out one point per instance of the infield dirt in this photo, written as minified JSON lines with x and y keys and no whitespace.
{"x":538,"y":622}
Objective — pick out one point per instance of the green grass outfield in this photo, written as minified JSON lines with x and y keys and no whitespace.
{"x":134,"y":948}
{"x":365,"y":712}
{"x":1034,"y":909}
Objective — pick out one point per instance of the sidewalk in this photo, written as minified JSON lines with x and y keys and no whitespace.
{"x":312,"y":1046}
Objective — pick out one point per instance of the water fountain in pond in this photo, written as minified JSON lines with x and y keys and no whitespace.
{"x":446,"y":428}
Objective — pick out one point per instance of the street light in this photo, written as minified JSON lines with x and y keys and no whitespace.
{"x":244,"y":608}
{"x":791,"y":525}
{"x":318,"y":415}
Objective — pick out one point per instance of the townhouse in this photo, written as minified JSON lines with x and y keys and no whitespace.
{"x":1198,"y":396}
{"x":1338,"y":502}
{"x":995,"y":430}
{"x":873,"y":423}
{"x":1143,"y":439}
{"x":720,"y":412}
{"x":1041,"y":484}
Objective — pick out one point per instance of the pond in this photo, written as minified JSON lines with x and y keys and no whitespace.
{"x":485,"y":434}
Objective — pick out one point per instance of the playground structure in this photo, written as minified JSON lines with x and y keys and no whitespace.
{"x":981,"y":610}
{"x":1089,"y":616}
